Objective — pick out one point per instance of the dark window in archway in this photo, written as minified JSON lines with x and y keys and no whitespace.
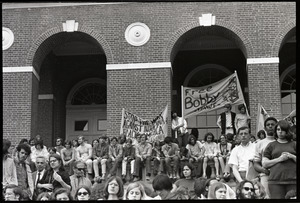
{"x":89,"y":94}
{"x":288,"y":92}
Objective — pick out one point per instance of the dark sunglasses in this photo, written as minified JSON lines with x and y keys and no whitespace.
{"x":80,"y":169}
{"x":247,"y":189}
{"x":82,"y":193}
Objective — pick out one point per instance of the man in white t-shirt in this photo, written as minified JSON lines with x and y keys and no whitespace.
{"x":241,"y":154}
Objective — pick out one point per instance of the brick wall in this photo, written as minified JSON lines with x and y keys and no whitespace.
{"x":267,"y":93}
{"x":17,"y":106}
{"x":144,"y":92}
{"x":258,"y":29}
{"x":261,"y":22}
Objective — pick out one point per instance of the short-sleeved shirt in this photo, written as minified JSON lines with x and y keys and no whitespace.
{"x":210,"y":148}
{"x":241,"y":120}
{"x":282,"y":172}
{"x":260,"y":146}
{"x":240,"y":156}
{"x":187,"y":183}
{"x":195,"y":150}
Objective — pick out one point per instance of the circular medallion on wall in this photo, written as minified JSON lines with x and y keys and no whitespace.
{"x":137,"y":34}
{"x":7,"y":38}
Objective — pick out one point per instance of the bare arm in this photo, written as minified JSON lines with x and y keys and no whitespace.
{"x":267,"y":163}
{"x":236,"y":173}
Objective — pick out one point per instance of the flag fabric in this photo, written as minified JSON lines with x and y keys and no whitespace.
{"x":155,"y":129}
{"x":262,"y":115}
{"x":197,"y":100}
{"x":291,"y":118}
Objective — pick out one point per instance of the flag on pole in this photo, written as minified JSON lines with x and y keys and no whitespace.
{"x":262,"y":115}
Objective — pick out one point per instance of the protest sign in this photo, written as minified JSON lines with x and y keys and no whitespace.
{"x":196,"y":100}
{"x":156,"y":129}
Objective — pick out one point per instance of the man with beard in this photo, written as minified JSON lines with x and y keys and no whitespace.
{"x":79,"y":178}
{"x":269,"y":125}
{"x":245,"y":190}
{"x":24,"y":174}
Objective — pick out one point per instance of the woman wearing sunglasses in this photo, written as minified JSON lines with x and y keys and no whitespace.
{"x":245,"y":190}
{"x":83,"y":193}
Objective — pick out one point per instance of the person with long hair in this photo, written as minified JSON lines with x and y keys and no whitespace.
{"x":224,"y":149}
{"x":39,"y":149}
{"x":113,"y":189}
{"x":195,"y":153}
{"x":188,"y":181}
{"x":260,"y":192}
{"x":68,"y":157}
{"x":280,"y":158}
{"x":135,"y":191}
{"x":210,"y":153}
{"x":261,"y":135}
{"x":9,"y":170}
{"x":62,"y":194}
{"x":217,"y":191}
{"x":56,"y":177}
{"x":245,"y":190}
{"x":83,"y":193}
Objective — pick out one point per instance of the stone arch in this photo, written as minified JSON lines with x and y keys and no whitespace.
{"x":41,"y":46}
{"x":233,"y":32}
{"x":80,"y":84}
{"x":284,"y":34}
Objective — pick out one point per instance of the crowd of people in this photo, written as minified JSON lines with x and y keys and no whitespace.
{"x":181,"y":167}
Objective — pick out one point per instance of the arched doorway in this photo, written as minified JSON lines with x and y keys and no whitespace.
{"x":71,"y":58}
{"x":287,"y":70}
{"x":86,"y":110}
{"x":202,"y":56}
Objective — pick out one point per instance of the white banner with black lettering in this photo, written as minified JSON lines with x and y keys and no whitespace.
{"x":197,"y":100}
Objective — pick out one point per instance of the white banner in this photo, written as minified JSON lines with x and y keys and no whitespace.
{"x":156,"y":129}
{"x":196,"y":100}
{"x":262,"y":115}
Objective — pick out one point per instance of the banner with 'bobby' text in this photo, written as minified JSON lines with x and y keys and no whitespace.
{"x":196,"y":100}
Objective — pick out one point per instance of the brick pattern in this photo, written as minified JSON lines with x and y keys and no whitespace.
{"x":260,"y":22}
{"x":17,"y":106}
{"x":257,"y":28}
{"x":144,"y":92}
{"x":267,"y":93}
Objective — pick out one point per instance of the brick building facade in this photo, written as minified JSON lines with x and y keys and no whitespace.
{"x":59,"y":46}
